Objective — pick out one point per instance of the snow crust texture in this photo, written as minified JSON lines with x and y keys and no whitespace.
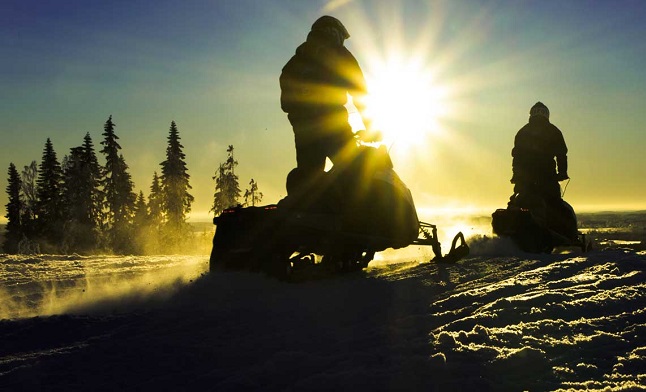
{"x":490,"y":322}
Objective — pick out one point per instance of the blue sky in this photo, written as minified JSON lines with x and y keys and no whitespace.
{"x":213,"y":67}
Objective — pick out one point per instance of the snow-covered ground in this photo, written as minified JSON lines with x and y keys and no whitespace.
{"x":497,"y":320}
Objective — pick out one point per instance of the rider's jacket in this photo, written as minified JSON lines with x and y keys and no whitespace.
{"x":318,"y":78}
{"x":535,"y":147}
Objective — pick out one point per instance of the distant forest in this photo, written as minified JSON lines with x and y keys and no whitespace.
{"x":80,"y":206}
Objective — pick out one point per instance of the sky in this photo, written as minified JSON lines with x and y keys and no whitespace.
{"x":451,"y":82}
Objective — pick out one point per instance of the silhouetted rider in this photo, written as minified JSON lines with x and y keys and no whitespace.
{"x":537,"y":144}
{"x":315,"y":84}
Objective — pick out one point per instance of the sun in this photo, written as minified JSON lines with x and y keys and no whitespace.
{"x":404,"y":102}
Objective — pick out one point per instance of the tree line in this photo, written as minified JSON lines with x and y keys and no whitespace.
{"x":80,"y":206}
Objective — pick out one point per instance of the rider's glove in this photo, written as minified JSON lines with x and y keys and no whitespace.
{"x":562,"y":177}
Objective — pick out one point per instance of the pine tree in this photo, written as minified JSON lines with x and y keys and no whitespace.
{"x":227,"y":189}
{"x":74,"y":201}
{"x":141,"y":224}
{"x":29,"y":176}
{"x":122,"y":230}
{"x":251,"y":195}
{"x":93,"y":179}
{"x":155,"y":216}
{"x":232,"y":186}
{"x":111,"y":171}
{"x":141,"y":216}
{"x":118,"y":191}
{"x":82,"y":198}
{"x":156,"y":203}
{"x":13,"y":229}
{"x":74,"y":189}
{"x":219,"y":197}
{"x":73,"y":192}
{"x":175,"y":182}
{"x":125,"y":195}
{"x":48,"y":190}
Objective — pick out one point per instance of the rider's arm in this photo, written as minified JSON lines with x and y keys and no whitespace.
{"x":356,"y":83}
{"x":560,"y":152}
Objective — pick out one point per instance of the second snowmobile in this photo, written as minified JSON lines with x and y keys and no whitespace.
{"x":538,"y":225}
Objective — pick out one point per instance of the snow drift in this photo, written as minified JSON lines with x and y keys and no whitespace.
{"x":498,"y":320}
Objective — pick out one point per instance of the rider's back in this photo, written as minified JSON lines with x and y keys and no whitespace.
{"x":317,"y":78}
{"x":535,"y":146}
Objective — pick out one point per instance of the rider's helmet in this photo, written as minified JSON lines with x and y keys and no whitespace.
{"x":331,"y":27}
{"x":539,"y":109}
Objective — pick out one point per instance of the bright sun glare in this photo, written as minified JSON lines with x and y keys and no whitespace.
{"x":404,"y":103}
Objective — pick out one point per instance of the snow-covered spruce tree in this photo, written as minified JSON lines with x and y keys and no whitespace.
{"x":118,"y":191}
{"x":175,"y":186}
{"x":13,"y":229}
{"x":227,"y":189}
{"x":49,"y":207}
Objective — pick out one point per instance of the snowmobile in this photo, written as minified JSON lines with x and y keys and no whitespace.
{"x":333,"y":226}
{"x":538,"y":225}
